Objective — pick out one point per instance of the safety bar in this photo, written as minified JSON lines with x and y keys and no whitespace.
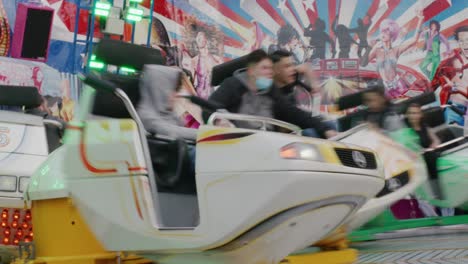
{"x":454,"y":108}
{"x":350,"y":132}
{"x":97,"y":83}
{"x":263,"y":120}
{"x":54,"y":123}
{"x":446,"y":144}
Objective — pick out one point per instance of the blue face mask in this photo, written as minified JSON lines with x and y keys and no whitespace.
{"x":263,"y":83}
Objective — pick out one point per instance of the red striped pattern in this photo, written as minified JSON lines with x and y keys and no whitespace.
{"x":392,"y":4}
{"x":271,"y":11}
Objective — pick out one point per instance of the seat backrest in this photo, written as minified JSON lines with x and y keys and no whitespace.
{"x":123,"y":54}
{"x":224,"y":70}
{"x":445,"y":135}
{"x":356,"y":99}
{"x":119,"y":53}
{"x":27,"y":96}
{"x":434,"y":116}
{"x":350,"y":120}
{"x":109,"y":105}
{"x":54,"y":134}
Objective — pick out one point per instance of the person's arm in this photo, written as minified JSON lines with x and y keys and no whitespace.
{"x":446,"y":43}
{"x":435,"y":141}
{"x":287,"y":112}
{"x":404,"y":47}
{"x":226,"y":96}
{"x":155,"y":123}
{"x":332,"y":44}
{"x":334,"y":24}
{"x":373,"y":52}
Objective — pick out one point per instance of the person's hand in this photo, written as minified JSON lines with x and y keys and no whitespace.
{"x":330,"y":133}
{"x":302,"y":68}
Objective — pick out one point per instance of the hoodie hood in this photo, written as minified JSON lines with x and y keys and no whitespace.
{"x":157,"y":85}
{"x":162,"y":82}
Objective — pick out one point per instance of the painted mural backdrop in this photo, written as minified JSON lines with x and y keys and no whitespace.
{"x":56,"y":80}
{"x":403,"y":43}
{"x":410,"y":45}
{"x":349,"y":42}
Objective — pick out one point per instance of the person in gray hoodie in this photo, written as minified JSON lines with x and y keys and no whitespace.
{"x":158,"y":89}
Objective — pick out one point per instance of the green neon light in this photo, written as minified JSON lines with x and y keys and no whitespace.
{"x":136,"y":1}
{"x":96,"y":64}
{"x":126,"y":69}
{"x":100,"y":12}
{"x":103,"y":5}
{"x":133,"y":18}
{"x":135,"y":11}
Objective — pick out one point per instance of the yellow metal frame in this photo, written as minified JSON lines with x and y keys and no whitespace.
{"x":346,"y":256}
{"x":61,"y":236}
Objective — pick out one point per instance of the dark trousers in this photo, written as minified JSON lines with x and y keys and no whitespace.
{"x":431,"y":163}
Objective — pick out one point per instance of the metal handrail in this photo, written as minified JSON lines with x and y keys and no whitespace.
{"x":54,"y":123}
{"x":264,"y":120}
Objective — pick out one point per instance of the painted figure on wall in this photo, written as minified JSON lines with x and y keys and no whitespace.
{"x":386,"y":55}
{"x":318,"y":39}
{"x":205,"y":46}
{"x":252,"y":38}
{"x":5,"y":35}
{"x":432,"y":45}
{"x":290,"y":40}
{"x":160,"y":40}
{"x":344,"y":38}
{"x":452,"y":78}
{"x":361,"y":31}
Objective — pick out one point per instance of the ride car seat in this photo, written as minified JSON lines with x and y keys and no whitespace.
{"x":176,"y":187}
{"x":29,"y":98}
{"x":169,"y":156}
{"x":435,"y":118}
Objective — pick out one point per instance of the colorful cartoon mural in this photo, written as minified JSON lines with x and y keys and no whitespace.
{"x":349,"y":42}
{"x":413,"y":46}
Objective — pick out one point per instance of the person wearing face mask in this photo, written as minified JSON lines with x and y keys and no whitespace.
{"x":252,"y":92}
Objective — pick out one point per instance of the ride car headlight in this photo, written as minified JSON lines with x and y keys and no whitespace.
{"x":8,"y":183}
{"x":23,"y":183}
{"x":302,"y":151}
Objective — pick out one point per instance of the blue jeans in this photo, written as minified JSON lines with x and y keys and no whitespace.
{"x":453,"y":117}
{"x":192,"y":156}
{"x":311,"y":132}
{"x":11,"y":108}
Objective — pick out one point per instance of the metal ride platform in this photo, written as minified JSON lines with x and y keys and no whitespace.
{"x":422,"y":245}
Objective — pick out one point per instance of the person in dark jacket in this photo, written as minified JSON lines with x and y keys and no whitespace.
{"x":380,"y":112}
{"x":295,"y":84}
{"x":252,"y":92}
